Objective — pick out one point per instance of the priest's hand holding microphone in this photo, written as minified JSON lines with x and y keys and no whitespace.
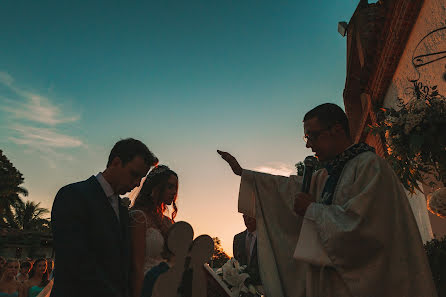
{"x":303,"y":199}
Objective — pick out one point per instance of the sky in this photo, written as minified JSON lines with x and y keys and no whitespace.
{"x":185,"y":77}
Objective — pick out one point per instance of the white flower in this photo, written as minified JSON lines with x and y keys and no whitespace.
{"x":219,"y":271}
{"x":412,"y":121}
{"x":393,"y":120}
{"x":252,"y":289}
{"x":234,"y":276}
{"x":125,"y":202}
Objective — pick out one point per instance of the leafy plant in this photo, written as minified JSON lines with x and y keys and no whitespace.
{"x":29,"y":216}
{"x":436,"y":254}
{"x":300,"y":167}
{"x":14,"y":213}
{"x":219,"y":256}
{"x":10,"y":188}
{"x":415,"y":136}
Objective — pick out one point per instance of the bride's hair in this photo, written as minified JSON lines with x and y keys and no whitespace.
{"x":158,"y":176}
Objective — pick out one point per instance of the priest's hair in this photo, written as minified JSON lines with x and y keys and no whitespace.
{"x":329,"y":114}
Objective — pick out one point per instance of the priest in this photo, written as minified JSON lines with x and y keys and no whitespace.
{"x":356,"y":217}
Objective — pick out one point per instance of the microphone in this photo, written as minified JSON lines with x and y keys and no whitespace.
{"x":309,"y":165}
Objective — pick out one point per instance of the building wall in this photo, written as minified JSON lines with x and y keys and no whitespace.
{"x":428,"y":37}
{"x":432,"y":17}
{"x":33,"y":253}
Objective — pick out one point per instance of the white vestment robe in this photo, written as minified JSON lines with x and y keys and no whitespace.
{"x":369,"y":233}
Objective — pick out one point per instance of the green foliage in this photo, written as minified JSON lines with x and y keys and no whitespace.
{"x":415,"y":136}
{"x":436,"y":253}
{"x":14,"y":213}
{"x":219,"y":257}
{"x":10,"y":189}
{"x":29,"y":217}
{"x":300,"y":167}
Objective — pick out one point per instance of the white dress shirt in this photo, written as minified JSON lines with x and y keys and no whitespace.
{"x":251,"y":240}
{"x":112,"y":197}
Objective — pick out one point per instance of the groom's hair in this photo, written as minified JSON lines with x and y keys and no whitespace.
{"x":329,"y":114}
{"x":129,"y":148}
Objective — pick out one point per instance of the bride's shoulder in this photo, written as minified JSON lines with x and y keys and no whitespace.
{"x":167,"y":221}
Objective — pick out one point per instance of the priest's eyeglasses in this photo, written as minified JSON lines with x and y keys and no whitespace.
{"x":314,"y":135}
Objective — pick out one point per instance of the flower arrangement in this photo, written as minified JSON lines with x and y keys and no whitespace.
{"x":436,"y":202}
{"x":436,"y":254}
{"x":415,"y":136}
{"x":238,"y":281}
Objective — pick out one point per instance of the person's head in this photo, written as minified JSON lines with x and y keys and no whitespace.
{"x":250,"y":223}
{"x":40,"y":269}
{"x":159,"y":190}
{"x":11,"y":270}
{"x":327,"y":131}
{"x":128,"y":163}
{"x":25,"y":267}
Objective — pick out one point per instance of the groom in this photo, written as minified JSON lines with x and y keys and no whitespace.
{"x":89,"y":224}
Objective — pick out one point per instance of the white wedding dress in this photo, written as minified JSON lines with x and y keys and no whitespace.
{"x":154,"y":242}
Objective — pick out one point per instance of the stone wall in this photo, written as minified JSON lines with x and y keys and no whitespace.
{"x":423,"y":61}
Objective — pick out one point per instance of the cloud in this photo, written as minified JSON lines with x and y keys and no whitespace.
{"x":277,"y":168}
{"x":6,"y":79}
{"x":44,"y":137}
{"x":46,"y":142}
{"x":35,"y":121}
{"x":36,"y":108}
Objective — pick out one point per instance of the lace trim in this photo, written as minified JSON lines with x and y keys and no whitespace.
{"x":134,"y":215}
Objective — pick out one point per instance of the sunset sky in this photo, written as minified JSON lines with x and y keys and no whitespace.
{"x":185,"y":77}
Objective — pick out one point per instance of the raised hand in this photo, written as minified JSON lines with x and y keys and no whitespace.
{"x":235,"y":166}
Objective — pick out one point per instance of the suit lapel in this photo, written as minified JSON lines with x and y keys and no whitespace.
{"x":104,"y":203}
{"x":123,"y":220}
{"x":242,"y":247}
{"x":245,"y":249}
{"x":254,"y":253}
{"x":119,"y":227}
{"x":124,"y":239}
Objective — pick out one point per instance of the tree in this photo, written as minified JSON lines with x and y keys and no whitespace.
{"x":300,"y":167}
{"x":10,"y":189}
{"x":219,"y":257}
{"x":29,"y":217}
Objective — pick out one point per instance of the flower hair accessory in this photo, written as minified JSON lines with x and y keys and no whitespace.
{"x":158,"y":170}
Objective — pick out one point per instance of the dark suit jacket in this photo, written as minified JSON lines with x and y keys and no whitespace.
{"x":92,"y":247}
{"x":239,"y":250}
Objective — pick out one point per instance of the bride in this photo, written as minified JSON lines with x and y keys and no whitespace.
{"x":149,"y":224}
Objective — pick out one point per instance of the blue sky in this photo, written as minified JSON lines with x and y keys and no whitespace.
{"x":185,"y":77}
